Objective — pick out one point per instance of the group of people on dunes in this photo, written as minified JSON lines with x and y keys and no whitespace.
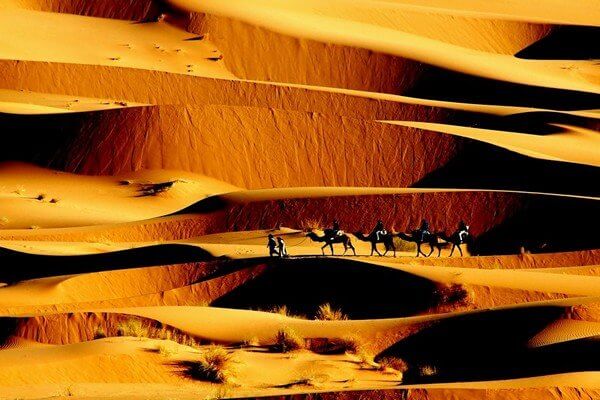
{"x":380,"y":234}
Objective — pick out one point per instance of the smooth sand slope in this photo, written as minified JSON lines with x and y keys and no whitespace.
{"x":364,"y":29}
{"x":33,"y":197}
{"x":64,"y":38}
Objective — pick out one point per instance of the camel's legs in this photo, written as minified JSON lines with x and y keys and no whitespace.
{"x":439,"y":251}
{"x":460,"y":250}
{"x":431,"y":248}
{"x":323,"y":248}
{"x":331,"y":246}
{"x":452,"y":250}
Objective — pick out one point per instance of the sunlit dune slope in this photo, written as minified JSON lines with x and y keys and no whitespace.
{"x":64,"y":38}
{"x":368,"y":29}
{"x":32,"y":196}
{"x":25,"y":102}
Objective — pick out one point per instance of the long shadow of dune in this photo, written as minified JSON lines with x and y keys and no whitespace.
{"x":545,"y":224}
{"x":20,"y":266}
{"x":441,"y":84}
{"x":565,"y":43}
{"x":481,"y":165}
{"x":362,"y":291}
{"x":492,"y":345}
{"x":533,"y":122}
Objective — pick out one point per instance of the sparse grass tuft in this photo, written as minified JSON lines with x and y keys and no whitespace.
{"x":132,"y":327}
{"x":287,"y":340}
{"x":283,"y":310}
{"x":455,"y":294}
{"x":328,"y":313}
{"x":311,"y":224}
{"x":427,"y":370}
{"x":397,"y":364}
{"x":215,"y":365}
{"x":99,"y":334}
{"x":167,"y":349}
{"x":347,"y":344}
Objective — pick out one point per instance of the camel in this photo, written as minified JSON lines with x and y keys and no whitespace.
{"x":431,"y":239}
{"x":454,"y":239}
{"x":330,"y":238}
{"x":387,"y":240}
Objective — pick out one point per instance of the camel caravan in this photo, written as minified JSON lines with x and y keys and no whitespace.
{"x":420,"y":236}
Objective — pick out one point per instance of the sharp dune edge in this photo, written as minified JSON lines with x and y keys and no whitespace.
{"x":149,"y":148}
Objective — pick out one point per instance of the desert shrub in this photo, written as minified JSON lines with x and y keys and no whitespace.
{"x":328,"y":313}
{"x":394,"y":363}
{"x":427,"y":370}
{"x":132,"y":327}
{"x":347,"y":344}
{"x":99,"y":333}
{"x":311,"y":224}
{"x":215,"y":365}
{"x":167,"y":348}
{"x":54,"y":200}
{"x":403,"y":245}
{"x":455,"y":294}
{"x":287,"y":340}
{"x":41,"y":197}
{"x":284,"y":310}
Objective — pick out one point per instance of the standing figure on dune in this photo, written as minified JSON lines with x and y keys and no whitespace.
{"x":281,"y":247}
{"x":272,"y":246}
{"x":380,"y":230}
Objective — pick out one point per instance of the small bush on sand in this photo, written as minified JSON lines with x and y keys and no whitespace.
{"x":41,"y":197}
{"x":455,"y":294}
{"x":311,"y":224}
{"x":427,"y":370}
{"x":167,"y":349}
{"x":215,"y":365}
{"x":132,"y":327}
{"x":287,"y":340}
{"x":394,"y":363}
{"x":283,"y":310}
{"x":99,"y":334}
{"x":328,"y":313}
{"x":346,"y":344}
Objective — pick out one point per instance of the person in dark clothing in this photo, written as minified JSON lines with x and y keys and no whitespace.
{"x":281,"y":247}
{"x":423,"y":231}
{"x":463,"y":231}
{"x":380,"y":230}
{"x":272,"y":246}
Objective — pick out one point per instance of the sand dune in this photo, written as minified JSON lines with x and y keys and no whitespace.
{"x":574,"y":144}
{"x":362,"y":29}
{"x":153,"y":46}
{"x":150,"y":147}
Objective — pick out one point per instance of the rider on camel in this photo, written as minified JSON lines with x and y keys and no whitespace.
{"x":463,"y":231}
{"x":423,"y":231}
{"x":380,"y":230}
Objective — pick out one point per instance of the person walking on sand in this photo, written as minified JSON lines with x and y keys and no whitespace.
{"x":423,"y":231}
{"x":281,"y":247}
{"x":272,"y":246}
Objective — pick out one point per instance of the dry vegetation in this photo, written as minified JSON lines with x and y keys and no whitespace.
{"x":287,"y":340}
{"x":327,"y":313}
{"x":215,"y":365}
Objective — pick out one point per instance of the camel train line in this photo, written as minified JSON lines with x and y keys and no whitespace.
{"x":435,"y":240}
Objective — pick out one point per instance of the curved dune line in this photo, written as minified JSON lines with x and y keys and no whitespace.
{"x":576,"y":285}
{"x":565,"y":330}
{"x":492,"y":109}
{"x":26,"y":102}
{"x":579,"y":12}
{"x":577,"y":145}
{"x":230,"y":325}
{"x":55,"y":37}
{"x":367,"y":34}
